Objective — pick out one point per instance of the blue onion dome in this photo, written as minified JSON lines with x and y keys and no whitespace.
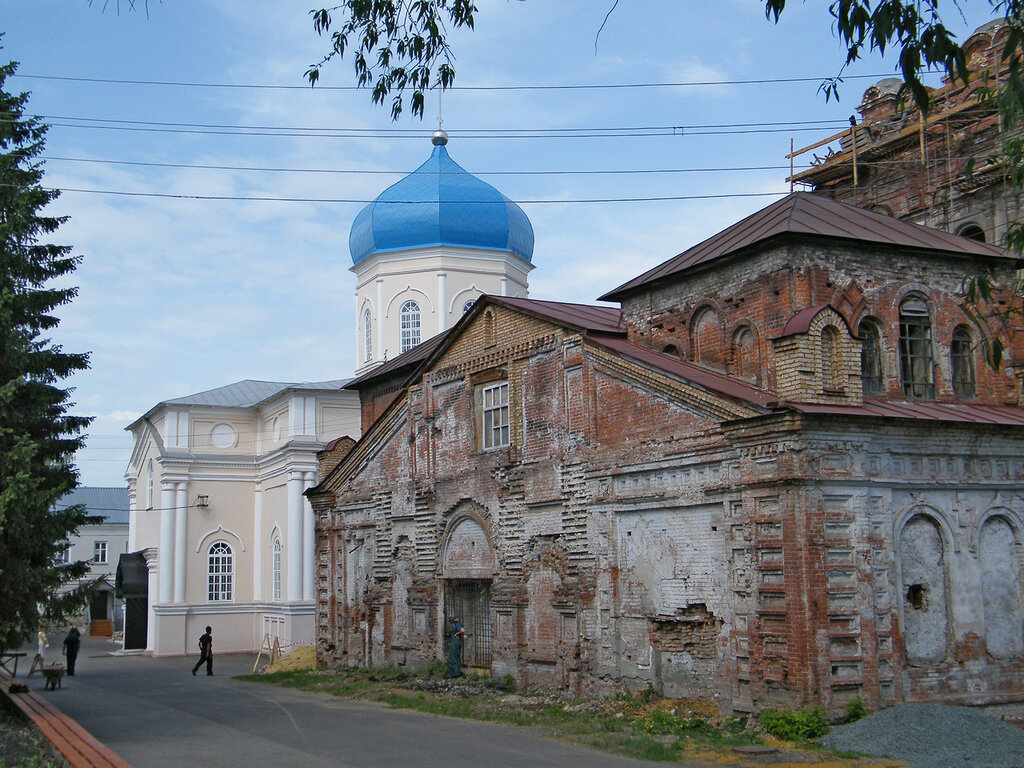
{"x":440,"y":204}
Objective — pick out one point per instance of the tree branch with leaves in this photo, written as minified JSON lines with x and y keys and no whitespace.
{"x":396,"y":45}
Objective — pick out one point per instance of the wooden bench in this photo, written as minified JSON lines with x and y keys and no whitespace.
{"x":67,"y":738}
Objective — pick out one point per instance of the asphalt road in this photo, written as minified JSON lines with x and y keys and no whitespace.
{"x":155,"y":714}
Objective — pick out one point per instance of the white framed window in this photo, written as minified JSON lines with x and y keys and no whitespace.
{"x":367,"y":336}
{"x":220,"y":573}
{"x":409,"y":319}
{"x":468,"y":306}
{"x":99,"y":552}
{"x":64,"y":555}
{"x":276,"y":554}
{"x":494,"y":415}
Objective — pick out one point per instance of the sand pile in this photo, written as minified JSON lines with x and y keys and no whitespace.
{"x":303,"y":657}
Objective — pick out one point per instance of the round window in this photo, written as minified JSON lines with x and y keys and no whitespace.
{"x":222,"y":436}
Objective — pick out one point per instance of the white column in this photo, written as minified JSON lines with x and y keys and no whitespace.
{"x":504,"y":286}
{"x":133,"y":515}
{"x":294,"y":541}
{"x":378,"y":352}
{"x":442,"y":302}
{"x":166,"y":553}
{"x":257,"y":545}
{"x":308,"y":541}
{"x":152,"y":570}
{"x":180,"y":540}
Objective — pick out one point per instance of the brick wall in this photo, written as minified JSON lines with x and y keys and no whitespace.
{"x":639,"y":529}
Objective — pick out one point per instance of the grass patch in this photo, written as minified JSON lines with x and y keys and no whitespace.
{"x":21,"y":746}
{"x":640,"y":725}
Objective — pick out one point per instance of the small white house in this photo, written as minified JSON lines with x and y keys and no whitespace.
{"x":100,"y":542}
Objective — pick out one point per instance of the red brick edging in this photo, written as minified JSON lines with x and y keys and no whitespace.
{"x":70,"y":740}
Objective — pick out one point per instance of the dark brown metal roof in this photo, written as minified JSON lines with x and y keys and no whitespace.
{"x":803,"y":213}
{"x":405,"y":360}
{"x":968,"y":413}
{"x":706,"y":378}
{"x":584,"y":317}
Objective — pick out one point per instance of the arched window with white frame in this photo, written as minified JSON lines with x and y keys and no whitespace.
{"x":409,"y":320}
{"x":220,"y":573}
{"x":367,"y":336}
{"x":277,"y":569}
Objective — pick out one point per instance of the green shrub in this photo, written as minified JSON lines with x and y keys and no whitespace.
{"x":855,"y":710}
{"x":802,"y":725}
{"x":509,"y":681}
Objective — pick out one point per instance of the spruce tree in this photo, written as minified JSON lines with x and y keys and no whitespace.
{"x":38,"y":435}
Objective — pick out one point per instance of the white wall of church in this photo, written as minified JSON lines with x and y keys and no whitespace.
{"x":250,"y":465}
{"x":439,"y":280}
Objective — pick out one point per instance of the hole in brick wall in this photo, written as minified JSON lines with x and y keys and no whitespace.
{"x":915,"y":596}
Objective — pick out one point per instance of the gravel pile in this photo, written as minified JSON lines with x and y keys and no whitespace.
{"x":933,"y":736}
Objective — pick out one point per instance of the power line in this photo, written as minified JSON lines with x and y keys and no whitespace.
{"x":268,"y":198}
{"x":568,"y":87}
{"x":379,"y":172}
{"x":419,"y":133}
{"x":588,"y":133}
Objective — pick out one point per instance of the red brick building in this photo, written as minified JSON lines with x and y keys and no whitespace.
{"x":780,"y":473}
{"x":915,"y":167}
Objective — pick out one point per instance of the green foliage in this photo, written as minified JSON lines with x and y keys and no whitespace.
{"x":509,"y":681}
{"x":38,"y":438}
{"x":802,"y":725}
{"x":395,"y":45}
{"x":855,"y":711}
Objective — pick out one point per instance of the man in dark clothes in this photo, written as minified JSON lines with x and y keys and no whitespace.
{"x":71,"y":645}
{"x":455,"y":651}
{"x":205,"y":652}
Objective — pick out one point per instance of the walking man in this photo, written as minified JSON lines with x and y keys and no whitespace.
{"x":205,"y":652}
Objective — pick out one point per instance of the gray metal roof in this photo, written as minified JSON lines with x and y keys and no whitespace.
{"x":109,"y":503}
{"x":249,"y":393}
{"x":806,"y":214}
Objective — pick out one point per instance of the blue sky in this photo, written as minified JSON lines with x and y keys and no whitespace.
{"x":178,"y":295}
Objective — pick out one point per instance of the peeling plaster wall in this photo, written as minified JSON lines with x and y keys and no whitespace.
{"x":755,"y":559}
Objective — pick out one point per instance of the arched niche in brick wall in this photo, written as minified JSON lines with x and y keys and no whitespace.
{"x":999,"y":554}
{"x":923,"y":575}
{"x":468,"y":553}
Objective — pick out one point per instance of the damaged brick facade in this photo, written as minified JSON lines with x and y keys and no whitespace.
{"x":696,"y":492}
{"x":916,"y":168}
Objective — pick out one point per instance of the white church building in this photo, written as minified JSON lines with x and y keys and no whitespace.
{"x":219,"y":531}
